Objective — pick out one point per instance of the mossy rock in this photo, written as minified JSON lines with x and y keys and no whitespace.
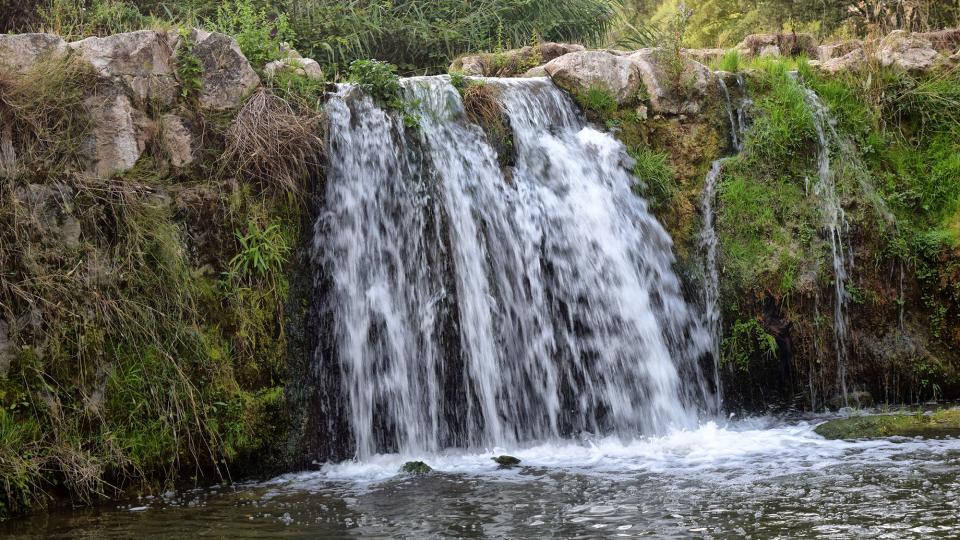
{"x":415,"y":467}
{"x":506,"y":461}
{"x":936,"y":425}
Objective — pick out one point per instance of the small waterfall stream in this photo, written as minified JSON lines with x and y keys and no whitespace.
{"x":835,"y":224}
{"x":709,"y":242}
{"x":460,"y":308}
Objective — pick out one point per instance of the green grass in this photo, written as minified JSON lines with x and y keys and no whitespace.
{"x":597,"y":101}
{"x":939,"y":424}
{"x":657,"y":177}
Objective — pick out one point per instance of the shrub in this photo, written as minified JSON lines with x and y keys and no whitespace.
{"x":258,"y":33}
{"x":746,"y":341}
{"x":598,"y":102}
{"x":380,"y":81}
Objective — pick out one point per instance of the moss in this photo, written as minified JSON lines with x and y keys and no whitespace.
{"x":415,"y":468}
{"x":939,"y":424}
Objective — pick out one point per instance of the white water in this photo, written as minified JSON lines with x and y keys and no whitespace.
{"x":729,"y":453}
{"x":835,"y":224}
{"x":469,"y":310}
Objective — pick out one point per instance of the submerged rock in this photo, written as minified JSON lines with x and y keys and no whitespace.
{"x":415,"y":467}
{"x":931,"y":425}
{"x":506,"y":461}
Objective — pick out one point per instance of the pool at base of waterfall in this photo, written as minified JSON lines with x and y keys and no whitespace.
{"x":759,"y":477}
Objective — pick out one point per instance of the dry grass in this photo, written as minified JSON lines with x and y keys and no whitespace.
{"x":272,"y":144}
{"x":480,"y":102}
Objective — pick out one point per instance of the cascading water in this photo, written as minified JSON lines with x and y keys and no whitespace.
{"x":709,"y":241}
{"x":460,"y":308}
{"x":835,"y":223}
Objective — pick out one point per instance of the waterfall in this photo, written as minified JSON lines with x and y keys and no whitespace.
{"x":835,"y":224}
{"x":709,"y":242}
{"x":459,"y":306}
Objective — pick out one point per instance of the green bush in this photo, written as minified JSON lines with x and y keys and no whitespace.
{"x":658,"y":179}
{"x":747,"y":341}
{"x":259,"y":32}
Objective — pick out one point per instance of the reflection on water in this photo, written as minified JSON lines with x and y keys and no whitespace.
{"x":756,"y":478}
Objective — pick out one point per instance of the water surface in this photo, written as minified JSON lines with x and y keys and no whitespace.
{"x":758,"y":478}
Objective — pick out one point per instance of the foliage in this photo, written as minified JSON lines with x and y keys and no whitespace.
{"x":422,"y":35}
{"x":380,"y":81}
{"x":731,"y":62}
{"x":746,"y":341}
{"x":597,"y":101}
{"x":263,"y":251}
{"x":76,"y":19}
{"x":188,"y":69}
{"x":259,"y":33}
{"x":658,"y":183}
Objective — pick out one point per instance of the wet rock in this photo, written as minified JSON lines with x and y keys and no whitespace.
{"x":142,"y":59}
{"x":938,"y":424}
{"x":578,"y":71}
{"x":226,"y":76}
{"x":415,"y":467}
{"x":513,"y":62}
{"x":119,"y":133}
{"x":906,"y":51}
{"x":19,"y":52}
{"x":673,"y":93}
{"x":506,"y":461}
{"x":177,"y":140}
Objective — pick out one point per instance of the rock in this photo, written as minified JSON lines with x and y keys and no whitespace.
{"x":538,"y":71}
{"x":851,"y":61}
{"x":226,"y":76}
{"x":415,"y":467}
{"x":177,"y":140}
{"x":943,"y":41}
{"x":506,"y":461}
{"x":118,"y":136}
{"x":51,"y":208}
{"x":19,"y":52}
{"x":304,"y":67}
{"x":779,"y":44}
{"x":681,"y":93}
{"x":578,"y":71}
{"x":7,"y":351}
{"x":939,"y":424}
{"x":836,"y":50}
{"x":142,"y":59}
{"x":906,"y":51}
{"x":705,"y":56}
{"x":513,"y":62}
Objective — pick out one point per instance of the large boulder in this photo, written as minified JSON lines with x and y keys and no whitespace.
{"x":910,"y":52}
{"x":19,"y":52}
{"x":226,"y":76}
{"x":513,"y":62}
{"x":673,"y":92}
{"x":576,"y":72}
{"x":118,"y":135}
{"x":142,"y":59}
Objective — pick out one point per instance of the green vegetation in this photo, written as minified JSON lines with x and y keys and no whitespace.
{"x":744,"y":341}
{"x":146,"y":311}
{"x":933,"y":425}
{"x":659,"y":185}
{"x":258,"y":32}
{"x":597,"y":102}
{"x":415,"y":468}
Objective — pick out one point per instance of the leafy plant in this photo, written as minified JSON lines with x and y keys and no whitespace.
{"x":747,"y":340}
{"x":380,"y":81}
{"x":259,"y":33}
{"x":657,"y":177}
{"x":188,"y":68}
{"x":261,"y":252}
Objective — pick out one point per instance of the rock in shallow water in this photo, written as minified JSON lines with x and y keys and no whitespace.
{"x":506,"y":461}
